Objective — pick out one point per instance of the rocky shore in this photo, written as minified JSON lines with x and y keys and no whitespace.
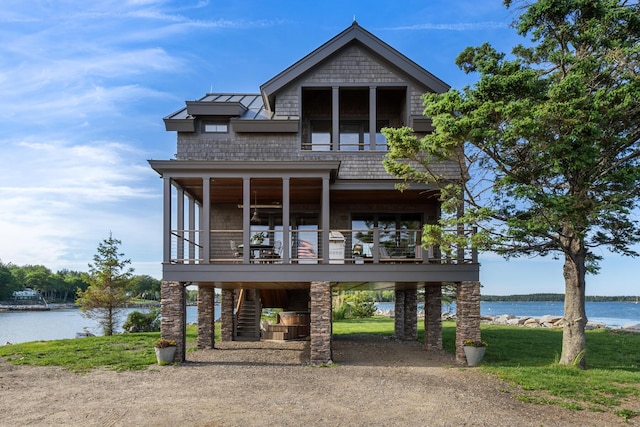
{"x":546,"y":321}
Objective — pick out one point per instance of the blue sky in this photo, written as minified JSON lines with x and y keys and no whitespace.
{"x":84,"y":86}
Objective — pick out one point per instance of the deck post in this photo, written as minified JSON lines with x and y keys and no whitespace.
{"x":467,"y":316}
{"x":226,"y":314}
{"x":321,"y":328}
{"x":411,"y":314}
{"x":174,"y":316}
{"x":433,"y":317}
{"x":206,"y":317}
{"x":406,"y":314}
{"x":398,"y":315}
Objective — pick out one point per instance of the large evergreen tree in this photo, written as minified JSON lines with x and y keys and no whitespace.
{"x":546,"y":143}
{"x":108,"y":280}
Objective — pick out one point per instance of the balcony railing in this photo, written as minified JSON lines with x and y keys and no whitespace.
{"x":346,"y":246}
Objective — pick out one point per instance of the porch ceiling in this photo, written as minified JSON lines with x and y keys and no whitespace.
{"x":268,"y":191}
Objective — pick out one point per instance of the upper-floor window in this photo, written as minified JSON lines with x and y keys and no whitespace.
{"x":355,"y":135}
{"x":215,"y":127}
{"x":351,"y":107}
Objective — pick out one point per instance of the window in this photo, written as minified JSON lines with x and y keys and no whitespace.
{"x":354,"y":135}
{"x":215,"y":127}
{"x":320,"y":135}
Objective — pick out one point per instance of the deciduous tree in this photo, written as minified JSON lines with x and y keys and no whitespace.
{"x":546,"y":144}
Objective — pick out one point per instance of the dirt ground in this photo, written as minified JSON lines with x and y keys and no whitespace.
{"x":375,"y":382}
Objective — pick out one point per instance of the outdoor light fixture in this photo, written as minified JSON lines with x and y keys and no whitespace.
{"x":255,"y":218}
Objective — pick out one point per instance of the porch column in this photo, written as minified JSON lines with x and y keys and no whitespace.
{"x":206,"y":220}
{"x":321,"y":328}
{"x":226,"y":314}
{"x":433,"y":317}
{"x":206,"y":317}
{"x":335,"y":118}
{"x":373,"y":117}
{"x":174,"y":316}
{"x":192,"y":228}
{"x":180,"y":224}
{"x":286,"y":212}
{"x":467,"y":316}
{"x":325,"y":220}
{"x":398,"y":311}
{"x":166,"y":220}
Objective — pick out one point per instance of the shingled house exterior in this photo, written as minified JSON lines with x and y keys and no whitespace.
{"x":280,"y":198}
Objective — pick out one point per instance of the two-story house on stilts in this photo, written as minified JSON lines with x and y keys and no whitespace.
{"x":280,"y":198}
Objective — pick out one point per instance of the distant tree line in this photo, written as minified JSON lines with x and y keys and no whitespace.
{"x":553,"y":297}
{"x":63,"y":285}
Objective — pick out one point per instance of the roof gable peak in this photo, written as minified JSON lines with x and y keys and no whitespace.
{"x":353,"y":33}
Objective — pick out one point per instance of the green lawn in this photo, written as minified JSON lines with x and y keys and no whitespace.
{"x":524,"y":357}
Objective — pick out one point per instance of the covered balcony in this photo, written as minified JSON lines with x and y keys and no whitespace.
{"x":274,"y":224}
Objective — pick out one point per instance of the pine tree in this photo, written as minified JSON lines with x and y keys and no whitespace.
{"x":108,"y":280}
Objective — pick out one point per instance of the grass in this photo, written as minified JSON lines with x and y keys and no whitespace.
{"x":526,"y":358}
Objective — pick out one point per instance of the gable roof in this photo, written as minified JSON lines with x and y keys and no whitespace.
{"x":354,"y":33}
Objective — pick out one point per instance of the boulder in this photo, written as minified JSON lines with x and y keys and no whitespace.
{"x":632,"y":326}
{"x":531,"y":323}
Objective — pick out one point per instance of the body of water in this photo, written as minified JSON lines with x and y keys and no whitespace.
{"x":24,"y":326}
{"x":612,"y":314}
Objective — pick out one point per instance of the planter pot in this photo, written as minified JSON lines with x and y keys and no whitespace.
{"x":165,"y":355}
{"x":474,"y":354}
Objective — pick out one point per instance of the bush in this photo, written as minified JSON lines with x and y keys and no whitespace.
{"x":143,"y":322}
{"x":357,"y":304}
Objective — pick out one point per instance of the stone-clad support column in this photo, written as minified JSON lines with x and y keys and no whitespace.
{"x":174,"y":316}
{"x":433,"y":317}
{"x":411,"y":314}
{"x":321,"y":351}
{"x":467,"y":316}
{"x":398,"y":315}
{"x":226,"y":314}
{"x":206,"y":317}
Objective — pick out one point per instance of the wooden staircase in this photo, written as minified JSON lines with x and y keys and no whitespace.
{"x":247,"y":318}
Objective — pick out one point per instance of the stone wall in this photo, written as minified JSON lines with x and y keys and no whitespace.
{"x":321,"y":346}
{"x":226,"y":314}
{"x":206,"y":317}
{"x":467,"y":316}
{"x":174,"y":316}
{"x":433,"y":318}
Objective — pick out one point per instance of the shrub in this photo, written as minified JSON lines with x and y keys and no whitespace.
{"x":143,"y":322}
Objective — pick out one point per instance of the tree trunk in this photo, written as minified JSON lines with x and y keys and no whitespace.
{"x":575,"y":316}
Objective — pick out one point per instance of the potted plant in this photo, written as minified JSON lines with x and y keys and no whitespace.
{"x":258,"y":238}
{"x":165,"y":351}
{"x":474,"y":351}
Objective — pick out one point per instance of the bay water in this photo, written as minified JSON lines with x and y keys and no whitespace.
{"x":24,"y":326}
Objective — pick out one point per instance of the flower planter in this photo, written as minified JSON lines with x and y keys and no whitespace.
{"x":474,"y":354}
{"x":165,"y":355}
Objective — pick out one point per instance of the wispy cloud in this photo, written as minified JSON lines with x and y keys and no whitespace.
{"x":460,"y":26}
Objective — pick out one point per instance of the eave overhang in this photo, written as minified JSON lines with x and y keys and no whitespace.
{"x":208,"y":108}
{"x":225,"y":168}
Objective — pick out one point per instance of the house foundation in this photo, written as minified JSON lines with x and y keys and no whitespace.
{"x":467,"y":316}
{"x":174,"y":316}
{"x":406,"y":315}
{"x":321,"y":327}
{"x":206,"y":317}
{"x":227,"y":301}
{"x":433,"y":317}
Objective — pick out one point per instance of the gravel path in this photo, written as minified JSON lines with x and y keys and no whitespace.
{"x":375,"y":382}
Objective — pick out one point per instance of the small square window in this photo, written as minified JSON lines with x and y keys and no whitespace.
{"x":215,"y":127}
